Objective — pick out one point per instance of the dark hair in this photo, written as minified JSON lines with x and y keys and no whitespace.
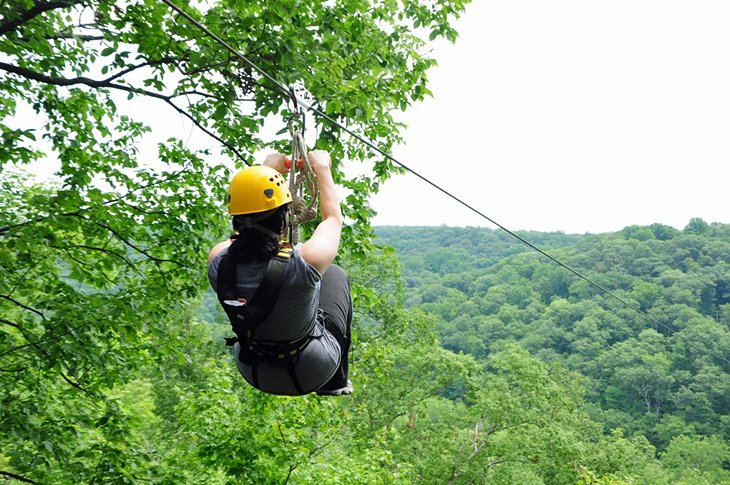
{"x":250,"y":244}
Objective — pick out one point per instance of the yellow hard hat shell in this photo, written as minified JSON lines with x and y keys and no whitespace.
{"x":257,"y":189}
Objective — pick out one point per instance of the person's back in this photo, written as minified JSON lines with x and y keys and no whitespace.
{"x":308,"y":324}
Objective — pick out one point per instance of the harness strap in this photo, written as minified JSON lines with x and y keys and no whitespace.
{"x":263,"y":300}
{"x":245,"y":316}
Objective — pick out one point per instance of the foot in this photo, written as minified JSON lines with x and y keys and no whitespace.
{"x":348,"y":389}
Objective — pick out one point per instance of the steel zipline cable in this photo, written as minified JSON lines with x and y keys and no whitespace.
{"x":287,"y":92}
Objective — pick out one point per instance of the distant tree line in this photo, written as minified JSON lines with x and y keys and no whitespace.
{"x":663,"y":375}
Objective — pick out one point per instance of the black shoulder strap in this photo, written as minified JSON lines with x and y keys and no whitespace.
{"x":247,"y":315}
{"x":263,"y":300}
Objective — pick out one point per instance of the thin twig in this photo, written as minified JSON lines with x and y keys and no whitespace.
{"x":25,"y":307}
{"x":15,"y":476}
{"x":172,"y":176}
{"x":39,"y":8}
{"x":132,"y":245}
{"x":103,"y":250}
{"x":6,"y":229}
{"x":164,"y":60}
{"x":77,"y":385}
{"x":12,"y":324}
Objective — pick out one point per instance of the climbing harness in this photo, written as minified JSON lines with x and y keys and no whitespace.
{"x":301,"y":174}
{"x":245,"y":316}
{"x":254,"y":193}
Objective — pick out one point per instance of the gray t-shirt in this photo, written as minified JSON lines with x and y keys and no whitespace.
{"x":293,"y":316}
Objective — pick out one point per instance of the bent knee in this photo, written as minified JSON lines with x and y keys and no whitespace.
{"x":335,"y":273}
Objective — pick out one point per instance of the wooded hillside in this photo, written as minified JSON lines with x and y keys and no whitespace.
{"x":659,"y":373}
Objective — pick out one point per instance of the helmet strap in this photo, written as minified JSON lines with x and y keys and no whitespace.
{"x":266,"y":231}
{"x":251,"y":222}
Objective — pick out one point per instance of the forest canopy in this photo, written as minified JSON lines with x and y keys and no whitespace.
{"x":473,"y":360}
{"x":660,"y":373}
{"x":102,"y":257}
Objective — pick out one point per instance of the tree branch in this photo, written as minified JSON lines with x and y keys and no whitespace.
{"x":13,"y":370}
{"x":12,"y":324}
{"x":454,"y":467}
{"x":318,"y":449}
{"x":480,"y":444}
{"x":94,"y":83}
{"x":194,"y":92}
{"x":55,"y":336}
{"x":6,"y":229}
{"x":103,"y":250}
{"x":25,"y":307}
{"x":138,"y":209}
{"x":314,"y":452}
{"x":478,"y":448}
{"x":39,"y":8}
{"x":70,"y":35}
{"x":77,"y":385}
{"x":205,"y":130}
{"x":132,"y":245}
{"x":20,"y":347}
{"x":158,"y":62}
{"x":60,"y":81}
{"x":15,"y":476}
{"x":81,"y":264}
{"x":21,"y":280}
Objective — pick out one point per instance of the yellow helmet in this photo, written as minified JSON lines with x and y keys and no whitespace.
{"x":257,"y":189}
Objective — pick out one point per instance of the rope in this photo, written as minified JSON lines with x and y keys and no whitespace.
{"x":377,"y":149}
{"x":301,"y":174}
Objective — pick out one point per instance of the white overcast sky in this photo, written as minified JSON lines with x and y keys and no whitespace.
{"x":561,"y":115}
{"x":573,"y":115}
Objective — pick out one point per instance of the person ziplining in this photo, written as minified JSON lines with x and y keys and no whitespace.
{"x":290,"y":307}
{"x":333,"y":326}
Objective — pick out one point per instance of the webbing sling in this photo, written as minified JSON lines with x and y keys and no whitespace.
{"x":245,"y":316}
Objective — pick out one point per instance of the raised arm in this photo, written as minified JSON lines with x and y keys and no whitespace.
{"x":217,"y":249}
{"x":320,"y":250}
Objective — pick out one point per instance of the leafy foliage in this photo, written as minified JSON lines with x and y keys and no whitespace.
{"x":99,"y":263}
{"x":480,"y":364}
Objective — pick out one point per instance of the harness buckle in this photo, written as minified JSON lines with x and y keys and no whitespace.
{"x":236,"y":303}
